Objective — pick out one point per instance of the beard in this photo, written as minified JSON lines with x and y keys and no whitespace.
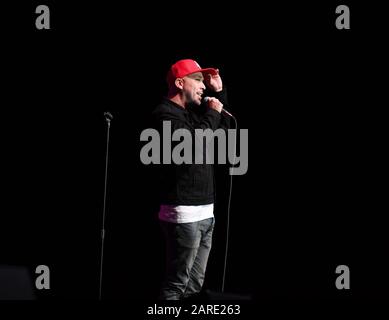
{"x":192,"y":99}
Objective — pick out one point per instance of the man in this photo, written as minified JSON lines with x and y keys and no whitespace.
{"x":187,"y":190}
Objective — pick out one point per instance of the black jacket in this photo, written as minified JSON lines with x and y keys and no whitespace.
{"x":188,"y":184}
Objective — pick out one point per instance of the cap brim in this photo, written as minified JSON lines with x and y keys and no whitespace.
{"x":211,"y":71}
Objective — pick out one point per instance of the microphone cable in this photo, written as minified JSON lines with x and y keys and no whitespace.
{"x":229,"y":203}
{"x":108,"y":117}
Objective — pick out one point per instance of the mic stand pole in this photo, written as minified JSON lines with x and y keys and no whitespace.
{"x":108,"y":117}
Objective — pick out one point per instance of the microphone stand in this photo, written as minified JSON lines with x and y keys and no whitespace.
{"x":108,"y":117}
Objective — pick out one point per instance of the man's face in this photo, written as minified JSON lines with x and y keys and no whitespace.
{"x":193,"y":88}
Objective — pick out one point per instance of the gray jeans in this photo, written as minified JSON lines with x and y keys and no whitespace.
{"x":187,"y":250}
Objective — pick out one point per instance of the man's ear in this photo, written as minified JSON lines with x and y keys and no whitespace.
{"x":179,"y":82}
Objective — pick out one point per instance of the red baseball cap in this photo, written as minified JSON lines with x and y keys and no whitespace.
{"x":185,"y":67}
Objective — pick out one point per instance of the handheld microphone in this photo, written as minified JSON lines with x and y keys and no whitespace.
{"x":206,"y":99}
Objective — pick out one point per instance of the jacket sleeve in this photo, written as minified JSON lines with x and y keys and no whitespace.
{"x":181,"y":120}
{"x":225,"y":121}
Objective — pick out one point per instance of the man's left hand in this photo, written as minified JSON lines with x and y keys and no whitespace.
{"x":214,"y":82}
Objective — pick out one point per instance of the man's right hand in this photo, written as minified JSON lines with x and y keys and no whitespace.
{"x":214,"y":104}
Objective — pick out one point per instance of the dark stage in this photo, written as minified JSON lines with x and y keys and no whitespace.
{"x":311,"y":97}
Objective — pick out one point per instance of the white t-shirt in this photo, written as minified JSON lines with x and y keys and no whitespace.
{"x":185,"y":214}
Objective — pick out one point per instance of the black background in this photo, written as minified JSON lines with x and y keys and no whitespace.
{"x":311,"y":96}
